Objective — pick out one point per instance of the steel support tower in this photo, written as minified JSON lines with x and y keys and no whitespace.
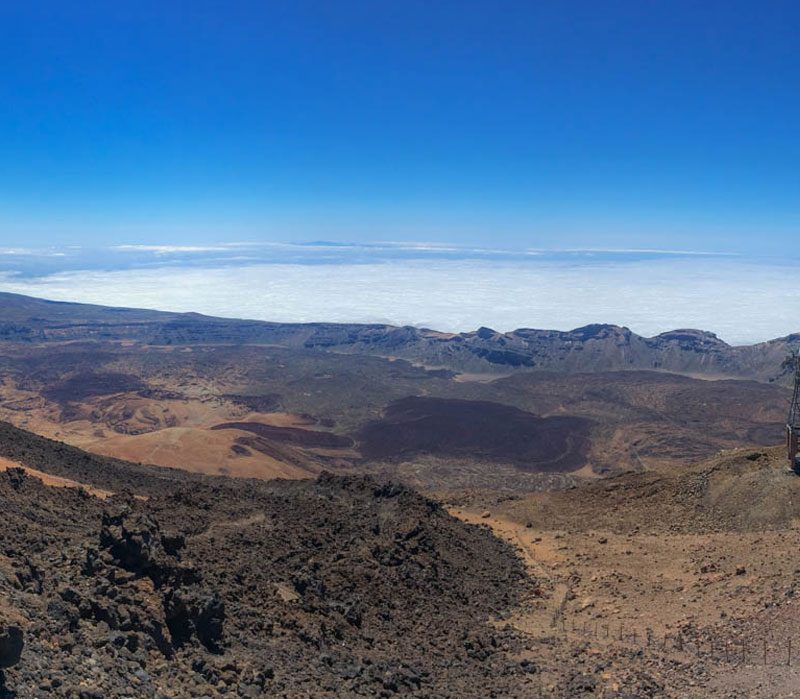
{"x":793,"y":421}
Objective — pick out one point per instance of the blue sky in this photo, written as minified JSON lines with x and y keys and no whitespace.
{"x":602,"y":124}
{"x":214,"y":157}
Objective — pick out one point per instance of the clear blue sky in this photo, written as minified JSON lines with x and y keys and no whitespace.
{"x":558,"y":123}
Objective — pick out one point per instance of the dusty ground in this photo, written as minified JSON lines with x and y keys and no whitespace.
{"x":707,"y":578}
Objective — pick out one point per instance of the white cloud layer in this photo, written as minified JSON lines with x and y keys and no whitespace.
{"x":167,"y":249}
{"x":743,"y":302}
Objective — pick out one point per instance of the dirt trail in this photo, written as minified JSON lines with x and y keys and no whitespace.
{"x":694,"y":570}
{"x":607,"y":581}
{"x":541,"y":614}
{"x":631,"y":581}
{"x":568,"y":605}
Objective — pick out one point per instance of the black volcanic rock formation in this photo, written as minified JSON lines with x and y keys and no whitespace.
{"x":479,"y":430}
{"x":210,"y":587}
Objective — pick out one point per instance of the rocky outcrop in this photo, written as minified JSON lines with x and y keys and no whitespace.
{"x":132,"y":541}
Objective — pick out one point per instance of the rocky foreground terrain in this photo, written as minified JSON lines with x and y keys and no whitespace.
{"x":341,"y":586}
{"x":121,"y":579}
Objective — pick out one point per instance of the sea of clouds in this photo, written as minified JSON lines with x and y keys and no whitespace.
{"x":440,"y":287}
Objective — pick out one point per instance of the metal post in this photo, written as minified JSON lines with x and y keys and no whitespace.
{"x":793,"y":421}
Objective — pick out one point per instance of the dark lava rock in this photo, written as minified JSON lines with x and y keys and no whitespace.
{"x":135,"y":543}
{"x":196,"y":613}
{"x":344,"y":586}
{"x":581,"y":685}
{"x":11,"y":644}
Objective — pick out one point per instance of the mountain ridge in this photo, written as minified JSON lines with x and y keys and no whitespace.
{"x":594,"y":347}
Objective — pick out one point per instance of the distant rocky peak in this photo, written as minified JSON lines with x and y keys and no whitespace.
{"x":599,"y":331}
{"x":691,"y":337}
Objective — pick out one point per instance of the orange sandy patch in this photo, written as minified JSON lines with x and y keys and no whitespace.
{"x":196,"y":450}
{"x":170,"y":432}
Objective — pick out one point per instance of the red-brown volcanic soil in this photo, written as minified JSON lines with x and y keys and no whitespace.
{"x":477,"y":429}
